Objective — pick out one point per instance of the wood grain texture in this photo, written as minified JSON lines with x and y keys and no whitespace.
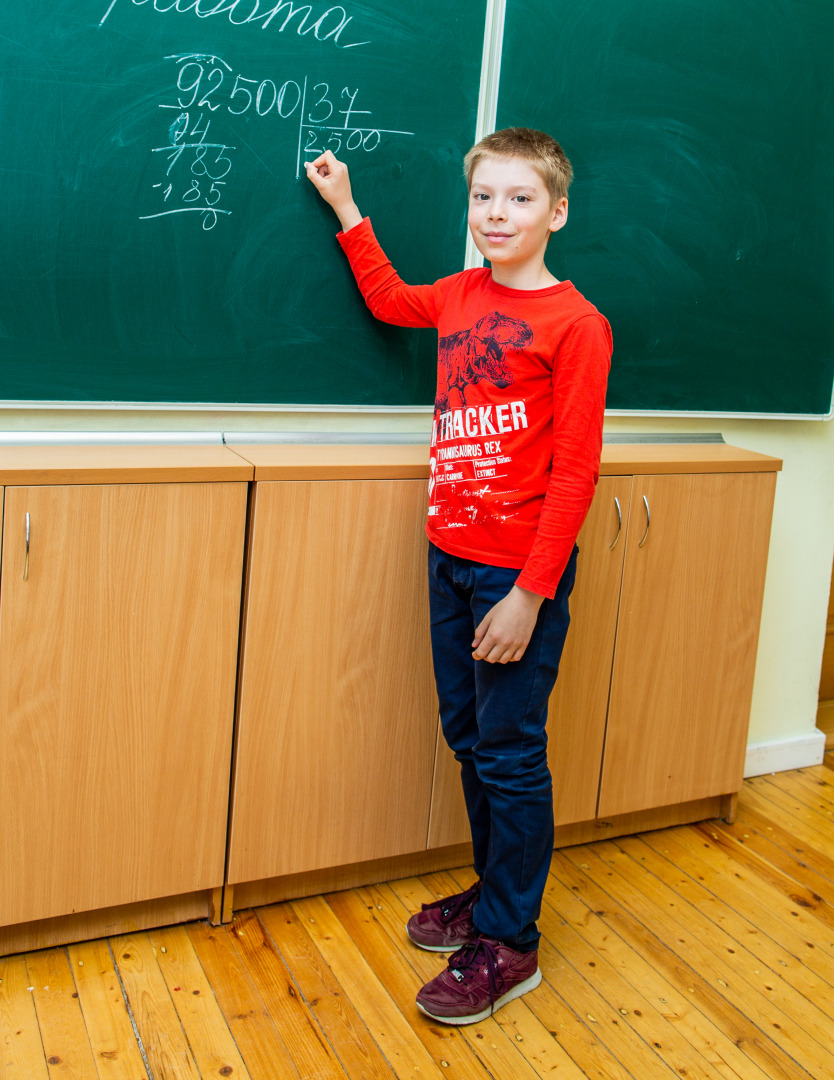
{"x":356,"y":462}
{"x":698,"y":952}
{"x":65,"y":1043}
{"x":644,"y":988}
{"x":728,"y":884}
{"x":578,"y":708}
{"x":212,"y":1044}
{"x":448,"y":823}
{"x":157,"y":1024}
{"x":335,"y":1011}
{"x":245,"y":1011}
{"x":112,"y":1039}
{"x":313,"y":882}
{"x":721,"y":960}
{"x":117,"y":681}
{"x":336,"y":461}
{"x":826,"y":691}
{"x":686,"y":640}
{"x":623,"y":917}
{"x":311,"y":1054}
{"x":72,"y":464}
{"x":103,"y":922}
{"x":268,"y":891}
{"x":806,"y":825}
{"x":683,"y":458}
{"x":21,"y":1047}
{"x":337,"y":712}
{"x":216,"y":906}
{"x":390,"y":1028}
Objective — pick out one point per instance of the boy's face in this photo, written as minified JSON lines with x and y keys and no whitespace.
{"x":511,"y":216}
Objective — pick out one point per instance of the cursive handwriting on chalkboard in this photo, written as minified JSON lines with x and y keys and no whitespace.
{"x":282,"y":15}
{"x":208,"y":89}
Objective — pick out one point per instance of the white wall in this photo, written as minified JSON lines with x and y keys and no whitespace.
{"x":782,"y":729}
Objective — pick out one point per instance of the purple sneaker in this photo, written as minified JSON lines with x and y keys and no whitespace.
{"x":480,"y":978}
{"x":446,"y":924}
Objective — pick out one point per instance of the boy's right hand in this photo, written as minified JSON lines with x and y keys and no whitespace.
{"x":330,"y":178}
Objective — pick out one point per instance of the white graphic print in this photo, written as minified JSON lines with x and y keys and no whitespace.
{"x":471,"y":449}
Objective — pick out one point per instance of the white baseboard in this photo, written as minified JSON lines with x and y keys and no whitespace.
{"x":778,"y":755}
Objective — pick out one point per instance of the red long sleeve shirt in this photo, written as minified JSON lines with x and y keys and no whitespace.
{"x":517,"y":430}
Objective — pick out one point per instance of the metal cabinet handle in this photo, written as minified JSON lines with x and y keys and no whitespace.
{"x":26,"y":560}
{"x":648,"y":522}
{"x":613,"y":543}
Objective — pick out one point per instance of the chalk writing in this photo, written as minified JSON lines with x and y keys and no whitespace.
{"x":330,"y":25}
{"x":315,"y":135}
{"x":199,"y":181}
{"x":207,"y":90}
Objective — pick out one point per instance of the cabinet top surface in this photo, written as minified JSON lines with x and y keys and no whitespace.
{"x":34,"y":465}
{"x":71,"y":464}
{"x":335,"y":462}
{"x":683,"y":457}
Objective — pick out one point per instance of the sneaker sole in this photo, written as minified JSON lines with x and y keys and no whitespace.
{"x":511,"y":995}
{"x":436,"y":948}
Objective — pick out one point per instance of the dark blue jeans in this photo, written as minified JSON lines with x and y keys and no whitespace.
{"x":493,"y":718}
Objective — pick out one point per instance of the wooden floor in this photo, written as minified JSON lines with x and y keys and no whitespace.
{"x":699,"y":951}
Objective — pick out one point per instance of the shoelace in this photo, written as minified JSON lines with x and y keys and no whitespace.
{"x":451,"y":906}
{"x":471,"y":956}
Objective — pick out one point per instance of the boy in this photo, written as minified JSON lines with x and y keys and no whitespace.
{"x":523,"y":361}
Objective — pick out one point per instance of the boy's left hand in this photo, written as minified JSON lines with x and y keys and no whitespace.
{"x":505,"y":631}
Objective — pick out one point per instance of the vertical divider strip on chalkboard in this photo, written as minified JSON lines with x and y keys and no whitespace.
{"x":488,"y":95}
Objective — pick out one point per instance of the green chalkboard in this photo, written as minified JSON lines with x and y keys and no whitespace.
{"x":160,"y":240}
{"x":700,"y":217}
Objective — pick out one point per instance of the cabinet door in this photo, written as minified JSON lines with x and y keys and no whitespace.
{"x":686,"y":639}
{"x":117,"y":668}
{"x":578,"y":706}
{"x":337,"y":711}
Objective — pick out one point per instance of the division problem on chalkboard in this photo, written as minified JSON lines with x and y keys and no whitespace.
{"x":162,"y":242}
{"x":209,"y":92}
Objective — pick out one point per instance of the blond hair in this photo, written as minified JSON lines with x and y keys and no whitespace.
{"x":541,"y":151}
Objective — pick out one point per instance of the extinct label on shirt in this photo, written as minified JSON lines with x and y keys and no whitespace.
{"x":471,"y":451}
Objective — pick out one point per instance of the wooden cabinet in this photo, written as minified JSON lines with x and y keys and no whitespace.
{"x":338,"y":714}
{"x":652,"y":703}
{"x":118,"y":649}
{"x":578,"y":707}
{"x":687,"y":632}
{"x":122,"y":647}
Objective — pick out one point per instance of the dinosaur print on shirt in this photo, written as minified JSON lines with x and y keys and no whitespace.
{"x":478,"y":353}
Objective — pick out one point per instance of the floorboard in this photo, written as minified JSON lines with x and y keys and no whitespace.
{"x":703,"y":951}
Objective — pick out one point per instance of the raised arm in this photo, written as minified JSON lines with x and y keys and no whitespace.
{"x":385,"y":293}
